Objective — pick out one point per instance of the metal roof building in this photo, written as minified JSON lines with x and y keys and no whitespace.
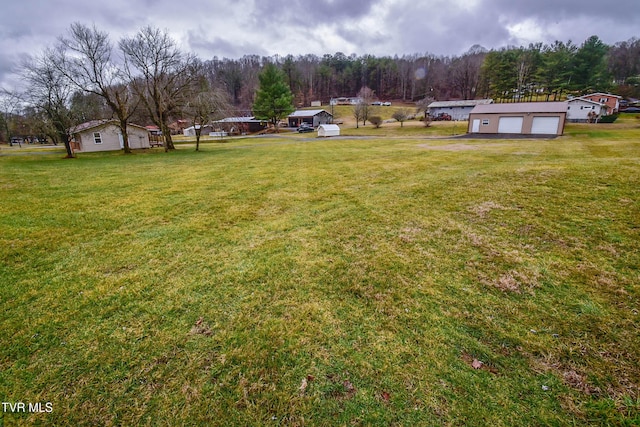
{"x":311,"y":117}
{"x":458,"y":110}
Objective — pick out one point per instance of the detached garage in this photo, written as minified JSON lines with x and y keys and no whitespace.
{"x":523,"y":118}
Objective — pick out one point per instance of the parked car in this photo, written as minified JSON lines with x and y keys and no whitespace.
{"x":305,"y":127}
{"x":386,"y":104}
{"x":631,"y":110}
{"x":15,"y":140}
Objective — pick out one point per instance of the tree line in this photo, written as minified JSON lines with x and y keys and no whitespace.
{"x":146,"y":79}
{"x":507,"y":74}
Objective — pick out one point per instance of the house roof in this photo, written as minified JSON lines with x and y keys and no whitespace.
{"x":601,"y":94}
{"x":521,"y":107}
{"x":92,"y":124}
{"x":463,"y":103}
{"x":247,"y":119}
{"x":307,"y":113}
{"x":194,"y":127}
{"x":588,"y":101}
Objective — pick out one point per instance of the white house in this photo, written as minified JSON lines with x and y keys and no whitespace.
{"x":458,"y":110}
{"x":105,"y":135}
{"x":328,"y":130}
{"x":585,"y":110}
{"x":611,"y":101}
{"x":343,"y":100}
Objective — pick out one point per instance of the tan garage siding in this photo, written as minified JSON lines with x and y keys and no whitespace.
{"x":525,"y":118}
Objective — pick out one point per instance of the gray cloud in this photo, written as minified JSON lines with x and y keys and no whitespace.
{"x":311,"y":12}
{"x":266,"y":27}
{"x":223,"y":48}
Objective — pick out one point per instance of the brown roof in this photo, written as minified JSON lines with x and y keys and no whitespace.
{"x":521,"y":107}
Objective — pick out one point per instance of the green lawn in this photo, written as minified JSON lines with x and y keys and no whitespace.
{"x":296,"y":281}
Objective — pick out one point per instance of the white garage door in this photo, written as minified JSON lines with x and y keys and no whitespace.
{"x":510,"y":125}
{"x":545,"y":125}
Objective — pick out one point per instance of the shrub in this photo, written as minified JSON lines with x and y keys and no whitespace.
{"x":608,"y":119}
{"x":375,"y":120}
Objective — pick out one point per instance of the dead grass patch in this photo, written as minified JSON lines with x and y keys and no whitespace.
{"x":201,"y":328}
{"x":483,"y":209}
{"x":515,"y":281}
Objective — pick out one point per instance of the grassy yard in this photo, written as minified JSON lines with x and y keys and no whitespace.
{"x":292,"y":281}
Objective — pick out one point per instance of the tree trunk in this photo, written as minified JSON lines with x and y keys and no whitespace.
{"x":67,"y":146}
{"x":166,"y":133}
{"x":125,"y":136}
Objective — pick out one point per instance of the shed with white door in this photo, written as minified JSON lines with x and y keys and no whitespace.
{"x":328,"y":130}
{"x":521,"y":118}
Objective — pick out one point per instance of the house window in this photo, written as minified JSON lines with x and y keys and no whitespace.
{"x":97,"y":138}
{"x":485,"y":122}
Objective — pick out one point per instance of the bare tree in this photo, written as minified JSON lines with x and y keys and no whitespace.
{"x":50,"y":92}
{"x":9,"y":106}
{"x":358,"y":113}
{"x":423,"y":107}
{"x":86,"y":59}
{"x":362,"y":108}
{"x":465,"y":73}
{"x":163,"y":75}
{"x":205,"y":105}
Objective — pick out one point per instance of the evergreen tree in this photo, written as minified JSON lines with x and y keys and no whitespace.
{"x":274,"y":100}
{"x":591,"y":74}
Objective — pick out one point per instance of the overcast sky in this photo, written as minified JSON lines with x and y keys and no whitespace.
{"x":266,"y":27}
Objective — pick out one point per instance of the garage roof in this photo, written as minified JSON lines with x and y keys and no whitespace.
{"x":307,"y":113}
{"x":464,"y":103}
{"x":521,"y":107}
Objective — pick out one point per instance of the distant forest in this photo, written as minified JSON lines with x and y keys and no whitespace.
{"x":546,"y":72}
{"x":138,"y":94}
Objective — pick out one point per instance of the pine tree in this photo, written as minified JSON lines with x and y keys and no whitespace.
{"x":274,"y":100}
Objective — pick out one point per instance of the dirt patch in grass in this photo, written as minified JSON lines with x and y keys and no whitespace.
{"x":486,"y":207}
{"x":201,"y":328}
{"x":516,"y":281}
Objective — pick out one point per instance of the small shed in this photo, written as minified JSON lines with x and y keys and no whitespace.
{"x":328,"y":130}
